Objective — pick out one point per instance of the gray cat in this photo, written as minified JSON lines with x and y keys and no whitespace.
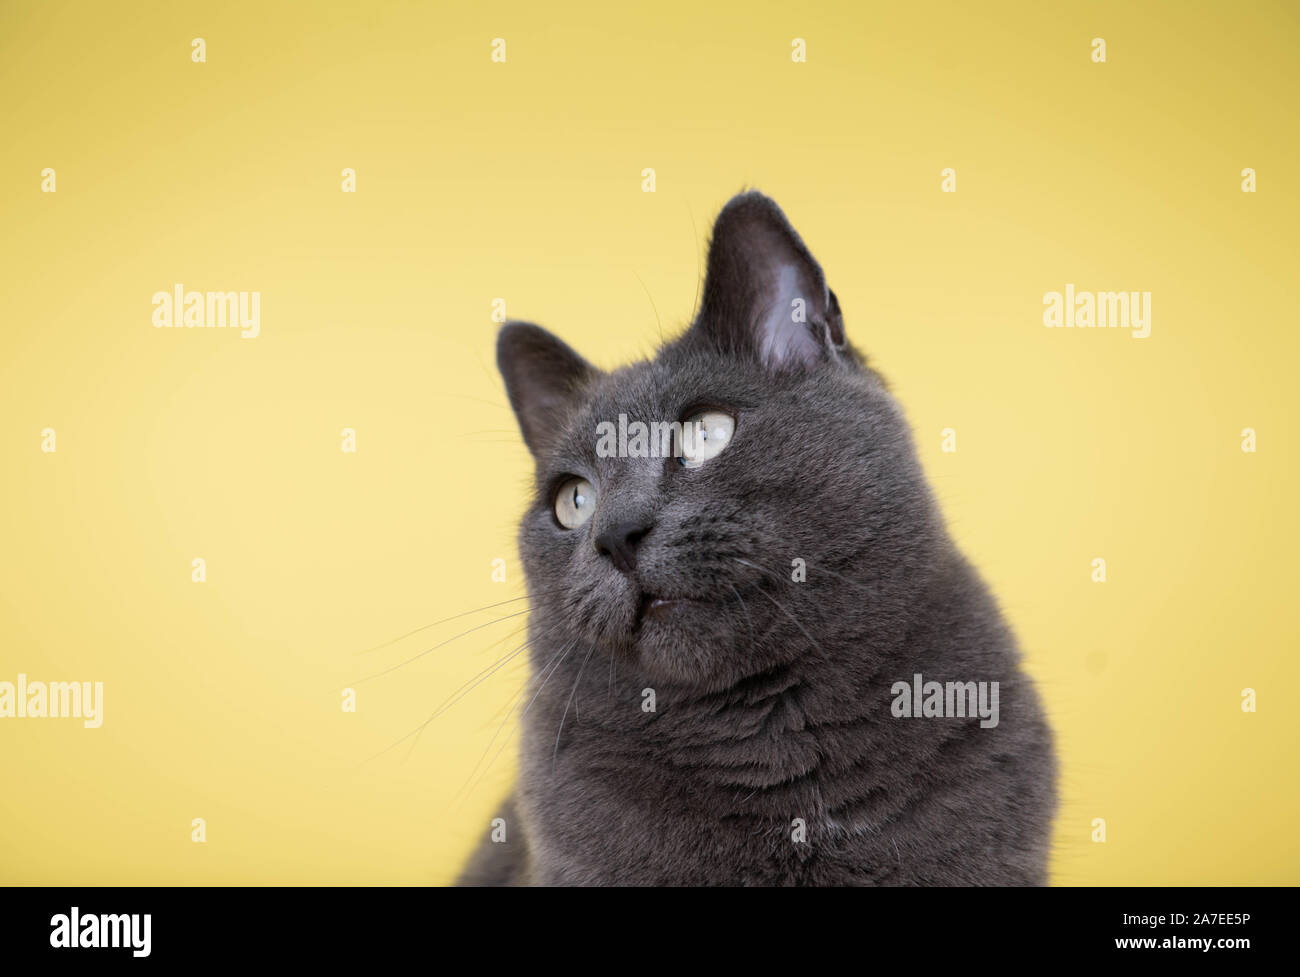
{"x":758,"y":659}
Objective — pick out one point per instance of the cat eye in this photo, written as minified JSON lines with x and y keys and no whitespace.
{"x":575,"y":501}
{"x":705,"y":434}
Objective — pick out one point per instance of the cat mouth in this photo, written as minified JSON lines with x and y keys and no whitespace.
{"x":655,"y":608}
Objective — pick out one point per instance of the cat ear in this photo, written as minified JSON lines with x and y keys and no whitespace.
{"x":543,"y":379}
{"x":764,"y":294}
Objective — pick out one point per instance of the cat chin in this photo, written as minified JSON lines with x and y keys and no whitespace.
{"x":684,"y":644}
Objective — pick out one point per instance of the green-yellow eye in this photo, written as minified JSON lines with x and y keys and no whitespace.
{"x":575,"y":501}
{"x":705,"y":435}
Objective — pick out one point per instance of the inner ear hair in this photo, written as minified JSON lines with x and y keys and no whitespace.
{"x":764,"y":293}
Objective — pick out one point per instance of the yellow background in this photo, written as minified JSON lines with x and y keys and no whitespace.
{"x":523,"y":181}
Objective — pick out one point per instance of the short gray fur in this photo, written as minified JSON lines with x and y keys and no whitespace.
{"x":772,"y":697}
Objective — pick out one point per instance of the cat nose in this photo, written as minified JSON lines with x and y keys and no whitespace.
{"x":619,"y":543}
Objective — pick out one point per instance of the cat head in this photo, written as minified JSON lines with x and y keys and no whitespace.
{"x":747,"y":497}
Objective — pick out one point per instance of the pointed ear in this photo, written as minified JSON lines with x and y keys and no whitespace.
{"x":543,"y":379}
{"x":764,"y":295}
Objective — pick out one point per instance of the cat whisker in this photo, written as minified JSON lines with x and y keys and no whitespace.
{"x":653,"y":306}
{"x":465,"y":435}
{"x":565,"y":715}
{"x":472,"y":684}
{"x":748,"y":620}
{"x":760,"y":569}
{"x":699,"y":275}
{"x":848,"y":580}
{"x":420,"y":729}
{"x":820,"y":569}
{"x":483,"y":400}
{"x":476,"y":610}
{"x":547,"y":672}
{"x":449,"y":702}
{"x":779,"y":606}
{"x":440,"y":644}
{"x":782,"y":609}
